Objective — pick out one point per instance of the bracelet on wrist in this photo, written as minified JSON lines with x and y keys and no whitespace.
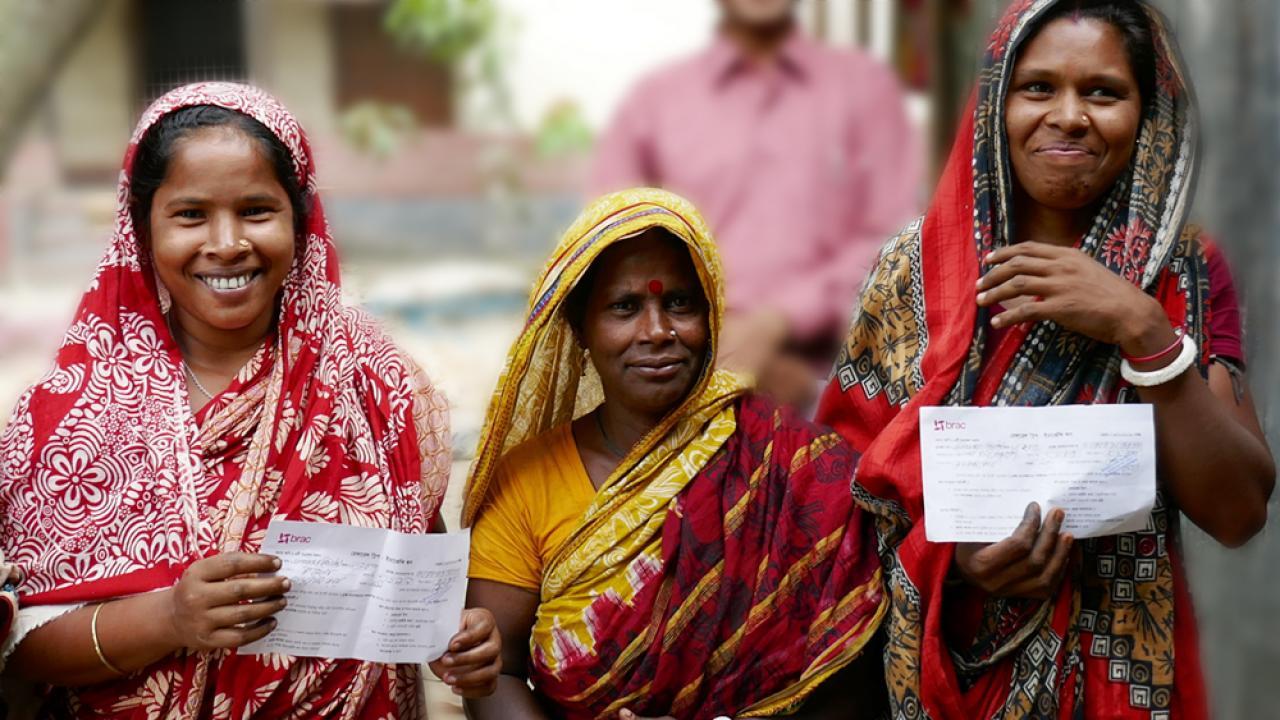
{"x":97,"y":646}
{"x":1177,"y":344}
{"x":1186,"y":358}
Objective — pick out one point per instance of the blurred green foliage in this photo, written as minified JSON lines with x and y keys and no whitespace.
{"x":564,"y":131}
{"x":466,"y":35}
{"x":445,"y":30}
{"x":377,"y":128}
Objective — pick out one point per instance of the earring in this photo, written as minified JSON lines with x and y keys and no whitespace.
{"x":162,"y":294}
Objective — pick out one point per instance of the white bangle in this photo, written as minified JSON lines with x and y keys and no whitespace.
{"x":1186,"y":358}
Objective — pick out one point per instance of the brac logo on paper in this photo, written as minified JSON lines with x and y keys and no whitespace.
{"x":291,"y":539}
{"x":944,"y":425}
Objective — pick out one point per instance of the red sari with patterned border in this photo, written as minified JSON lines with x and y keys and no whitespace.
{"x":722,"y":568}
{"x":110,"y":487}
{"x":1118,"y":641}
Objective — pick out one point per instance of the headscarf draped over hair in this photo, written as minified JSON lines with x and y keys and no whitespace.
{"x":110,"y":487}
{"x":1118,"y":639}
{"x":723,"y":567}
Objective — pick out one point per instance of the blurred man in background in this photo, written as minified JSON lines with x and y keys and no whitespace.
{"x":803,"y":161}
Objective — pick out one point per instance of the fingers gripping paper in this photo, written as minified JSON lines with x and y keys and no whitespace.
{"x":366,"y":593}
{"x":982,"y":466}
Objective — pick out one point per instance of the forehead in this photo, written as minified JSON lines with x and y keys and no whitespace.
{"x":212,"y":153}
{"x":654,"y":254}
{"x":1077,"y":45}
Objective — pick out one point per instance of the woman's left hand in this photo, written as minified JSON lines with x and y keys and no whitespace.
{"x":1072,"y":289}
{"x":474,"y":659}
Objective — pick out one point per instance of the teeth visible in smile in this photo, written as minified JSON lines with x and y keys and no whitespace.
{"x":227,"y":283}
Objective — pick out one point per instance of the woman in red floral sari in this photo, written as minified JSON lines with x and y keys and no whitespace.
{"x":213,"y":379}
{"x":1055,"y":267}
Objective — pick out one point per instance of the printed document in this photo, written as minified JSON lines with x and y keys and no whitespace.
{"x":983,"y":466}
{"x":366,"y":593}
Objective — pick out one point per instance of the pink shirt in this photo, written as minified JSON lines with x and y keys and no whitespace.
{"x":803,"y":167}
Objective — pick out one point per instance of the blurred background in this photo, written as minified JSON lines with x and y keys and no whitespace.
{"x":453,"y":139}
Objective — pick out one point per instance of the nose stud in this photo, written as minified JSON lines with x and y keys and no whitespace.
{"x":245,"y":244}
{"x":673,"y":333}
{"x":1085,"y":119}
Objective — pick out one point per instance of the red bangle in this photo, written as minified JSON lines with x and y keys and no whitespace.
{"x":1177,"y":343}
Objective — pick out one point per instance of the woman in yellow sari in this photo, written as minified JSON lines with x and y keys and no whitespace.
{"x":651,"y":536}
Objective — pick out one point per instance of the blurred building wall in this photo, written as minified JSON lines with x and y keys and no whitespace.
{"x":91,"y":104}
{"x":99,"y":92}
{"x":1233,"y":51}
{"x":592,"y":51}
{"x":291,"y":51}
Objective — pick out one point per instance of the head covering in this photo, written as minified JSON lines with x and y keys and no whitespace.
{"x":548,"y":379}
{"x":723,"y":568}
{"x":918,"y":339}
{"x":110,"y":486}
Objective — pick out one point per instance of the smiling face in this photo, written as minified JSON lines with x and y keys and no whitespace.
{"x":645,"y":323}
{"x":220,"y":191}
{"x":1073,"y":113}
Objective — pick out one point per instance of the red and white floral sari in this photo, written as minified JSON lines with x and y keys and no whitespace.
{"x":111,"y":487}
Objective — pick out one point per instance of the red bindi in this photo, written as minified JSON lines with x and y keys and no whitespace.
{"x":655,"y":287}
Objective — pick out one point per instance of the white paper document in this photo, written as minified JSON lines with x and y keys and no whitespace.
{"x":366,"y":593}
{"x":983,"y":466}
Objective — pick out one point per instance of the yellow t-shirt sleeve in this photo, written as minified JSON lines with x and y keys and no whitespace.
{"x":502,"y":539}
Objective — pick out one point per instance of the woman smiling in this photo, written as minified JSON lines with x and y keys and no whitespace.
{"x":213,"y":380}
{"x":652,"y":536}
{"x":1056,"y":266}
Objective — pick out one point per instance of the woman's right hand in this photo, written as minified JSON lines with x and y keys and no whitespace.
{"x":221,"y":603}
{"x":1029,"y":563}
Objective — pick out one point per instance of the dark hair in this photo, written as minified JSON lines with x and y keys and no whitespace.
{"x":575,"y":304}
{"x":1127,"y":16}
{"x":155,"y":151}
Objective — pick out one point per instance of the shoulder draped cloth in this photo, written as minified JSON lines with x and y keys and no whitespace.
{"x":723,"y":568}
{"x":1118,"y":640}
{"x":110,"y":487}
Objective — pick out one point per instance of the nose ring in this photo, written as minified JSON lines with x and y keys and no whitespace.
{"x":245,"y":244}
